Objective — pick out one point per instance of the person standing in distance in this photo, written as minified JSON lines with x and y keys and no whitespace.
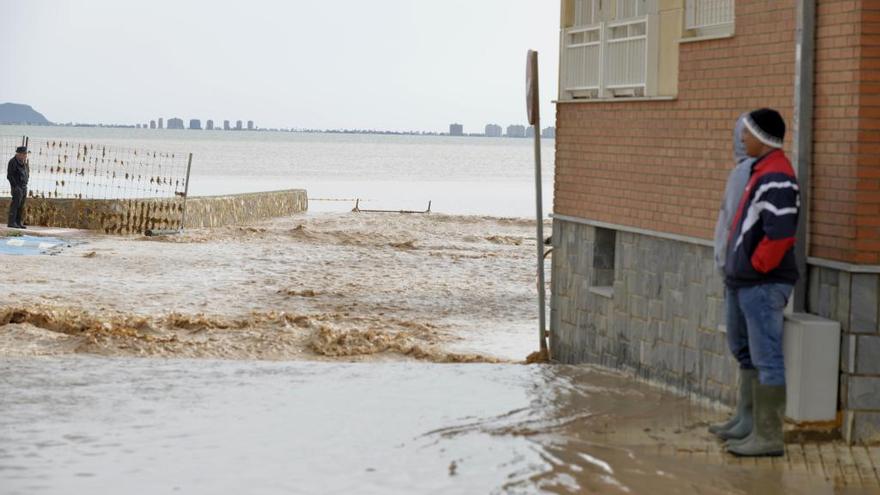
{"x":17,"y":173}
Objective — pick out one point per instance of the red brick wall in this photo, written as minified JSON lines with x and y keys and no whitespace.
{"x":662,"y":165}
{"x":868,"y":175}
{"x":835,"y":139}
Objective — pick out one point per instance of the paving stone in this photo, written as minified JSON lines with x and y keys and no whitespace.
{"x":656,"y":310}
{"x":863,"y":393}
{"x":827,"y":295}
{"x":864,"y":302}
{"x":866,"y":427}
{"x":828,"y":276}
{"x":691,"y":362}
{"x":867,"y":354}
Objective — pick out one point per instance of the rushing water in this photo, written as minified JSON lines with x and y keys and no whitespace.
{"x":461,"y":175}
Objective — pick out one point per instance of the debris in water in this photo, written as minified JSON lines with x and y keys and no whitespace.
{"x":538,"y":357}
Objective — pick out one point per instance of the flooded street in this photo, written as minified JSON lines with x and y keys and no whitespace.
{"x":143,"y":426}
{"x":333,"y":353}
{"x":435,"y":287}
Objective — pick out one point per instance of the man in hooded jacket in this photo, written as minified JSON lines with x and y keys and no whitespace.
{"x":740,"y":425}
{"x":760,"y":272}
{"x":17,"y":173}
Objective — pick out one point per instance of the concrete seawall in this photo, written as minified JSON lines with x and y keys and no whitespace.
{"x":135,"y":216}
{"x":217,"y":211}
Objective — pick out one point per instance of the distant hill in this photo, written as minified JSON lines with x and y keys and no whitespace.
{"x":15,"y":113}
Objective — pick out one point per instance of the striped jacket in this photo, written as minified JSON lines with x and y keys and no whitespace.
{"x":762,"y":234}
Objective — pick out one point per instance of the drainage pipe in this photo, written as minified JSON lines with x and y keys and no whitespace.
{"x":802,"y":127}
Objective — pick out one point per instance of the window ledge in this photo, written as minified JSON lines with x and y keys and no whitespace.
{"x":607,"y":292}
{"x":705,"y":37}
{"x":616,"y":100}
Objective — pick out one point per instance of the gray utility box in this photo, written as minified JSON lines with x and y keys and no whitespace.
{"x":812,"y":367}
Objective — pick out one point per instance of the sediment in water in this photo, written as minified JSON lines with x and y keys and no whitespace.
{"x":270,"y":335}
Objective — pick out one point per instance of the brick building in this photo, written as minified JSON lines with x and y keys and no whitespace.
{"x":649,"y":92}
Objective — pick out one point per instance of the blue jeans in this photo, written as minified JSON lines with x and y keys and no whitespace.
{"x":754,"y":329}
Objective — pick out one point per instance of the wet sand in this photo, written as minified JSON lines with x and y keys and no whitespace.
{"x":326,"y":286}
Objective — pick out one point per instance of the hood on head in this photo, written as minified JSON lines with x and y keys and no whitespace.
{"x":739,"y":148}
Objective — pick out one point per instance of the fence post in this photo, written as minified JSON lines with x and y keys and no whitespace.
{"x":189,"y":162}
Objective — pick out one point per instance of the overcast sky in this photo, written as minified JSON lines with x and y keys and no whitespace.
{"x":380,"y":64}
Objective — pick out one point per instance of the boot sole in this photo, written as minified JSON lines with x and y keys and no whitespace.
{"x":773,"y":453}
{"x":728,"y":438}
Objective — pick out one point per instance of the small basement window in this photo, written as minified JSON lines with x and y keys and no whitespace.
{"x":604,"y":247}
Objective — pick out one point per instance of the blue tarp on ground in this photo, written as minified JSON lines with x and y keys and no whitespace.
{"x":31,"y":245}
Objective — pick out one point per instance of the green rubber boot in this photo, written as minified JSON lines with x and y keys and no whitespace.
{"x":740,"y":425}
{"x":766,"y":439}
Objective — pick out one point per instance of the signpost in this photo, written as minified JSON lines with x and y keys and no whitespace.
{"x":534,"y":110}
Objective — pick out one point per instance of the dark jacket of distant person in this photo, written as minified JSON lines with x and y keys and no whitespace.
{"x":17,"y":173}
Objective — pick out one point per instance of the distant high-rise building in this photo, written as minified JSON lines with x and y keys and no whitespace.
{"x":250,"y":125}
{"x":161,"y":122}
{"x":175,"y":123}
{"x":516,"y":131}
{"x":549,"y":133}
{"x":237,"y":125}
{"x":530,"y":131}
{"x":493,"y":130}
{"x":195,"y":124}
{"x":138,"y":126}
{"x":456,"y":130}
{"x":225,"y":125}
{"x":209,"y":126}
{"x":152,"y":124}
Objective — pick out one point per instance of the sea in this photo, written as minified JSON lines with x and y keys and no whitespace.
{"x":457,"y":175}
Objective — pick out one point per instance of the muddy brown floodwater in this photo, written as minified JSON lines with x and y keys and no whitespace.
{"x":438,"y":288}
{"x":142,"y":426}
{"x":331,"y":353}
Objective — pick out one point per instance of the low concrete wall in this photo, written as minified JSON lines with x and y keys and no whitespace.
{"x":216,"y":211}
{"x":134,"y":216}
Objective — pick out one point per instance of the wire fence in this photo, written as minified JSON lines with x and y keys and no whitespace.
{"x":149,"y":187}
{"x":73,"y":170}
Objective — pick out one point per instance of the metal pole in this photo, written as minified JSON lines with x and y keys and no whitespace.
{"x":189,"y":163}
{"x":539,"y":230}
{"x":802,"y":147}
{"x":534,"y":111}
